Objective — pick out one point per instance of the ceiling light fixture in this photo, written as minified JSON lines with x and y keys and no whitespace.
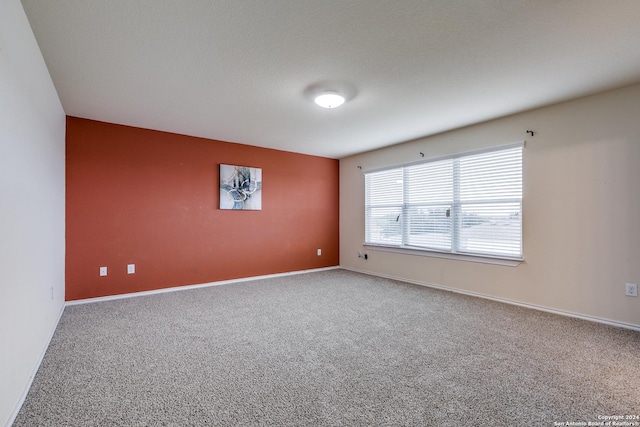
{"x":329,"y":100}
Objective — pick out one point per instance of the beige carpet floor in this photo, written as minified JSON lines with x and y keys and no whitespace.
{"x":333,"y":348}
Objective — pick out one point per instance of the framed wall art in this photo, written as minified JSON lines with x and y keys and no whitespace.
{"x":240,"y":188}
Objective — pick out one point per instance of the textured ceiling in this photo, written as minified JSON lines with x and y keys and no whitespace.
{"x":240,"y":70}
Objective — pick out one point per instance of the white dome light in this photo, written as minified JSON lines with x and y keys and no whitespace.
{"x":329,"y":100}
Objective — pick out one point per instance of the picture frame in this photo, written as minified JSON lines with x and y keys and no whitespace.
{"x":240,"y":188}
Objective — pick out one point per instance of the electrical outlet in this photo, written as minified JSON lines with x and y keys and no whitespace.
{"x":319,"y":252}
{"x":103,"y":271}
{"x":131,"y":268}
{"x":631,"y":290}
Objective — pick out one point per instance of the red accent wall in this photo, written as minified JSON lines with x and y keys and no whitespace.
{"x":150,"y":198}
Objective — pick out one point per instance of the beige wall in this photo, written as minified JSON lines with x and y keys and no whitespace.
{"x":32,"y":126}
{"x":581,"y":208}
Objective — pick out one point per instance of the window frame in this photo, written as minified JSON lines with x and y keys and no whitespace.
{"x":456,"y":214}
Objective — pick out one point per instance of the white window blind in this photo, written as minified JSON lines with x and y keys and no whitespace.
{"x":467,"y":204}
{"x":384,"y":207}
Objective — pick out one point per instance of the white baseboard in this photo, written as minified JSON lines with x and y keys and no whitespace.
{"x":504,"y":300}
{"x":25,"y":392}
{"x":201,"y":285}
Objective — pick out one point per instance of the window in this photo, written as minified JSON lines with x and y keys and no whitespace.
{"x":465,"y":204}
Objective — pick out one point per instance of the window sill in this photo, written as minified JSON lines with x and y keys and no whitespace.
{"x":509,"y":262}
